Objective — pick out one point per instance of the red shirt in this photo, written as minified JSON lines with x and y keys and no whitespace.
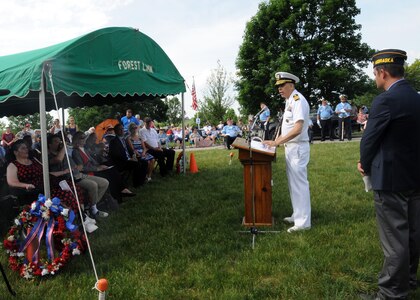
{"x":7,"y":137}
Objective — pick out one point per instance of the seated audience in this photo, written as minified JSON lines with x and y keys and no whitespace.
{"x":60,"y":169}
{"x":89,"y":143}
{"x":72,"y":127}
{"x":165,"y":157}
{"x":125,"y":159}
{"x":199,"y":141}
{"x":7,"y":139}
{"x":25,"y":131}
{"x":33,"y":154}
{"x":220,"y":125}
{"x":230,"y":132}
{"x":362,"y":118}
{"x":56,"y":128}
{"x":89,"y":165}
{"x":24,"y":177}
{"x":178,"y":137}
{"x":138,"y":147}
{"x":129,"y":118}
{"x":170,"y":134}
{"x":163,"y":138}
{"x":107,"y":137}
{"x":207,"y":129}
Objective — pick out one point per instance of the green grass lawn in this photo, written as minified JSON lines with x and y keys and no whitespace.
{"x":178,"y":239}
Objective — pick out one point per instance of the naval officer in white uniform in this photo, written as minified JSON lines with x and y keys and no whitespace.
{"x":294,"y":137}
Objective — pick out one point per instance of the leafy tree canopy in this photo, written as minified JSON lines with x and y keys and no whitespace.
{"x":412,"y":74}
{"x":317,"y":40}
{"x":87,"y":117}
{"x":216,"y":99}
{"x":17,"y":123}
{"x":174,"y":110}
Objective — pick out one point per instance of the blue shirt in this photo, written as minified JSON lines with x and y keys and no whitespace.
{"x":325,"y":112}
{"x":341,"y":106}
{"x":126,"y":121}
{"x":231,"y":130}
{"x":265,"y":115}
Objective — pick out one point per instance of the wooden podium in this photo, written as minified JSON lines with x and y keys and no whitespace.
{"x":260,"y":164}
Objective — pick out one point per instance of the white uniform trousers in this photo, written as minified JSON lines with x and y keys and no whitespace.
{"x":297,"y":158}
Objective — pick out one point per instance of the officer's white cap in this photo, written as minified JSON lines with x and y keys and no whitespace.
{"x":283,"y":77}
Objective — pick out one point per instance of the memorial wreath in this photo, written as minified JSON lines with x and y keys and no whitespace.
{"x":47,"y":218}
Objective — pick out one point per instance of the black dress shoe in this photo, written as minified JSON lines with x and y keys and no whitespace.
{"x":128,"y":194}
{"x":414,"y":284}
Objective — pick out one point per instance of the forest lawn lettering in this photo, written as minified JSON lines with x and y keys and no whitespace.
{"x":134,"y":65}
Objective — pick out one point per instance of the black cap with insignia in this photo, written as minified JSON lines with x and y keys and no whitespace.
{"x":389,"y":56}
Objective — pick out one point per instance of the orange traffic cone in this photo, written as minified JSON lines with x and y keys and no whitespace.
{"x":193,"y":164}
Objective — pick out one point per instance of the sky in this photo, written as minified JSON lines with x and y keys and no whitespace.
{"x":195,"y":34}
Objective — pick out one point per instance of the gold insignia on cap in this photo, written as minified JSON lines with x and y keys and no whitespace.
{"x":282,"y":81}
{"x":389,"y":56}
{"x":296,"y":97}
{"x":388,"y":60}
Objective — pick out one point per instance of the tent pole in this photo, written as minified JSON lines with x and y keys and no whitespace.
{"x":44,"y":146}
{"x":183,"y":134}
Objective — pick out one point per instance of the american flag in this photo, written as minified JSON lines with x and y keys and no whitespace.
{"x":194,"y":97}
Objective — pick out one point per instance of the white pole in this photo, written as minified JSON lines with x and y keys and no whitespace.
{"x":44,"y":146}
{"x":183,"y":134}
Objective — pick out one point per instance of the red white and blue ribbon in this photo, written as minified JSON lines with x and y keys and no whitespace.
{"x":55,"y":210}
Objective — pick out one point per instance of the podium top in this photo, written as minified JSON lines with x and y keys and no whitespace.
{"x":256,"y":146}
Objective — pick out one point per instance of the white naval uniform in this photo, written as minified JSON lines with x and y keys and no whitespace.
{"x":297,"y":153}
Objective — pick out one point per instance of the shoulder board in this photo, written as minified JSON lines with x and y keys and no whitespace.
{"x":296,"y":97}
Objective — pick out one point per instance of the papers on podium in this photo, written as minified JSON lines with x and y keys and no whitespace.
{"x":255,"y":146}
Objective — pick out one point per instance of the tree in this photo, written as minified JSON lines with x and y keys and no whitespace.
{"x":317,"y":40}
{"x":17,"y":123}
{"x":412,"y":74}
{"x":2,"y":126}
{"x":174,"y":110}
{"x":91,"y":116}
{"x":216,"y":100}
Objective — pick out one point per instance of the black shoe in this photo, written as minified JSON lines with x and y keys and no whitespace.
{"x":128,"y":194}
{"x":111,"y":203}
{"x":414,"y":285}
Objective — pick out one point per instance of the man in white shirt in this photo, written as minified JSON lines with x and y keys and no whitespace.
{"x":164,"y":157}
{"x":294,"y":137}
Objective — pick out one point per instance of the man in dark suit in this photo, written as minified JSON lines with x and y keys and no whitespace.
{"x":124,"y":159}
{"x":390,"y":155}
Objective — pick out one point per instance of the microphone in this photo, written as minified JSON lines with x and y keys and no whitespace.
{"x":4,"y":92}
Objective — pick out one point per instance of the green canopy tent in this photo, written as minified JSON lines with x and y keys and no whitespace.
{"x":102,"y":67}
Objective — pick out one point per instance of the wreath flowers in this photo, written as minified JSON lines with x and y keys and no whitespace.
{"x":47,"y":218}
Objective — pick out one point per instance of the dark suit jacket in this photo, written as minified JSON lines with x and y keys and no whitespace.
{"x":390,"y":146}
{"x":117,"y":153}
